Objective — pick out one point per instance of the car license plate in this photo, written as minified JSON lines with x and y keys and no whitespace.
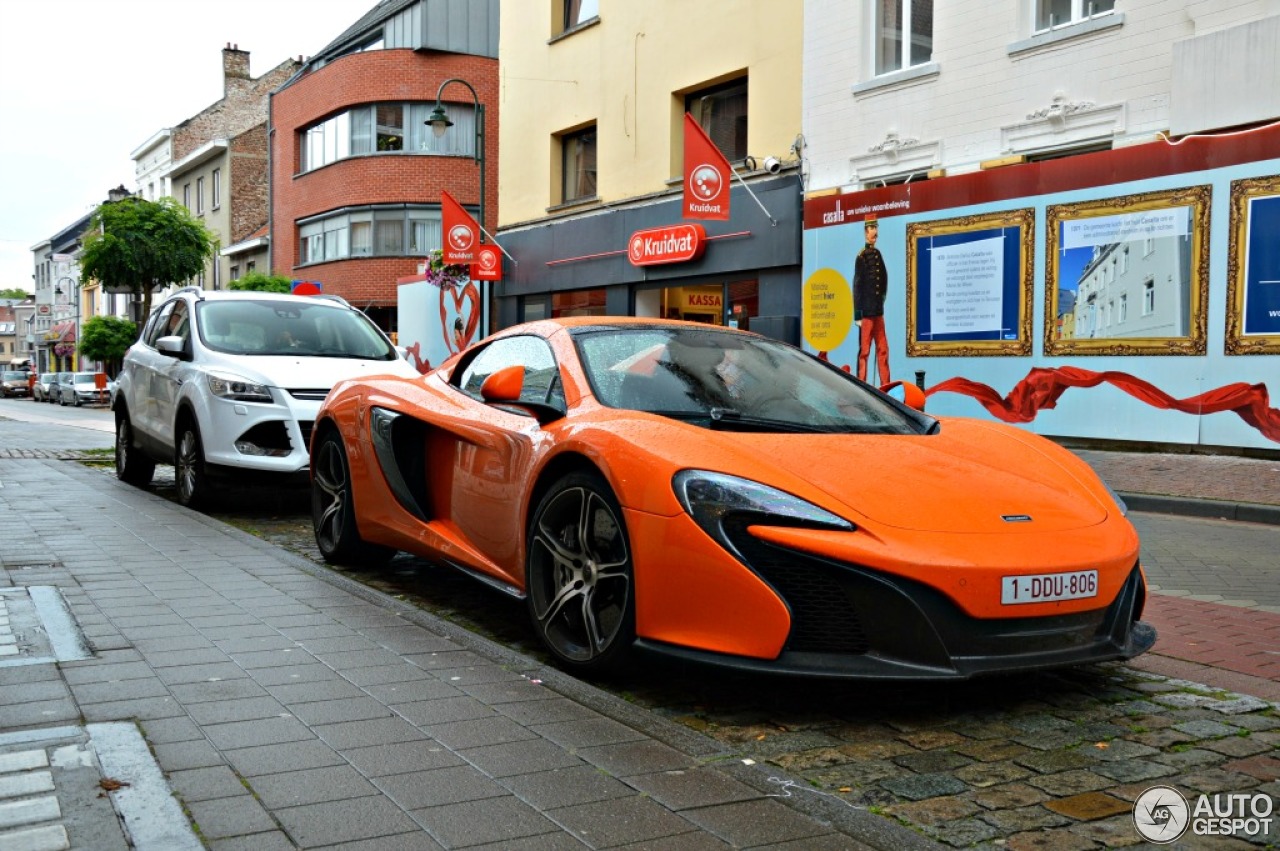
{"x":1048,"y":587}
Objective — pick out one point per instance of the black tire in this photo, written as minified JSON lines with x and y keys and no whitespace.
{"x":579,"y":577}
{"x":191,"y":477}
{"x":132,"y":465}
{"x":333,"y":514}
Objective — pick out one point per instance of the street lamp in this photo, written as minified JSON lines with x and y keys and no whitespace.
{"x":439,"y":123}
{"x":75,"y":291}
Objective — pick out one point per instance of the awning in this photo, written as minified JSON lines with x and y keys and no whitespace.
{"x":61,"y":332}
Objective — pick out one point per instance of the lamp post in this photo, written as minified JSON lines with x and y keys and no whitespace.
{"x":75,"y":292}
{"x":439,"y":123}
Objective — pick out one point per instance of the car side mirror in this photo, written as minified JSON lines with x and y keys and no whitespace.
{"x":504,"y":385}
{"x":174,"y":347}
{"x":503,"y":388}
{"x":906,"y":393}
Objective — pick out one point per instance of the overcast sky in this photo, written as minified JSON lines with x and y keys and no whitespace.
{"x":83,"y":83}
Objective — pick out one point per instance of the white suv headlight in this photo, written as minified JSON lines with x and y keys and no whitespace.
{"x":238,"y":389}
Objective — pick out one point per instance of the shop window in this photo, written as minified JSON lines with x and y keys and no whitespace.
{"x":578,"y":303}
{"x":722,"y":112}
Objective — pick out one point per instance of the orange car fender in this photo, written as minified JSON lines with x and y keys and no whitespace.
{"x":976,"y":564}
{"x":690,"y":592}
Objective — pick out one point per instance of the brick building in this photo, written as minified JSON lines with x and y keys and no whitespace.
{"x":356,"y":174}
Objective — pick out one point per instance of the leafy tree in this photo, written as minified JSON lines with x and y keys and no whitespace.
{"x":140,"y":245}
{"x":107,"y":338}
{"x":15,"y":293}
{"x":263,"y":283}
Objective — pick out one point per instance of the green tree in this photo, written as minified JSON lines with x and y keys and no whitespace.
{"x":107,"y":338}
{"x":15,"y":293}
{"x":139,"y":245}
{"x":263,"y":283}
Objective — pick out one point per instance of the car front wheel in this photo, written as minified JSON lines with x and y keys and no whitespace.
{"x":189,"y":471}
{"x":333,"y":514}
{"x":132,"y":465}
{"x":579,"y":575}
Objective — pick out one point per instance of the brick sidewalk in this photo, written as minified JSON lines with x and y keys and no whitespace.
{"x":1237,"y":639}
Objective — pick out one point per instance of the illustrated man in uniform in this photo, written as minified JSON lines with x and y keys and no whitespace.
{"x":870,"y":283}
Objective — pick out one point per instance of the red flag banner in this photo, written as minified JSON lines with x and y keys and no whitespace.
{"x":461,"y":232}
{"x":706,"y":175}
{"x":488,"y":265}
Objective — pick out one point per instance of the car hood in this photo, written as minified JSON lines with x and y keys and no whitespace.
{"x":970,"y":477}
{"x":311,"y":373}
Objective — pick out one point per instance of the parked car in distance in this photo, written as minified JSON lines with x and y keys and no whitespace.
{"x":55,"y":387}
{"x":82,"y":389}
{"x":14,"y":384}
{"x":40,"y":391}
{"x":225,"y":385}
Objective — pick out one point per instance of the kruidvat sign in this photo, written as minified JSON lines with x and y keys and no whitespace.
{"x":671,"y":244}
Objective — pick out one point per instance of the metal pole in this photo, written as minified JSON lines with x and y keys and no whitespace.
{"x":479,"y":158}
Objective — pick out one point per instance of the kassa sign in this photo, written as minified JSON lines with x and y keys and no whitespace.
{"x":672,"y":244}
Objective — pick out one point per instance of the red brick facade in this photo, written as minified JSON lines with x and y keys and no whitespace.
{"x":392,"y":178}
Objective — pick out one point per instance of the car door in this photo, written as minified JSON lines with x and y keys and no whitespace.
{"x":170,"y":372}
{"x":142,"y":367}
{"x":488,"y":476}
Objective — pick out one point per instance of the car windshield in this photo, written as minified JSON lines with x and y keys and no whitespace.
{"x":84,"y":378}
{"x":265,"y":327}
{"x":727,"y":380}
{"x":15,"y":376}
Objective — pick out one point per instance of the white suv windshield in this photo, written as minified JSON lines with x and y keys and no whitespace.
{"x":262,"y":327}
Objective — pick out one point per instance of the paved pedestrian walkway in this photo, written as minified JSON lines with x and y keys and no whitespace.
{"x":285,"y":706}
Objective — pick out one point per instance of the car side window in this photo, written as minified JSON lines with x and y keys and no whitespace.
{"x":159,"y":324}
{"x":541,"y":373}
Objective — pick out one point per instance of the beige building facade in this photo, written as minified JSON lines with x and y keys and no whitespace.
{"x":593,"y":101}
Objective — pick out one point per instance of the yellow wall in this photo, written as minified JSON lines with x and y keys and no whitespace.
{"x":629,"y":74}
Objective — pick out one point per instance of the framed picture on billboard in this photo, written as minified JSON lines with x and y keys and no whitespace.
{"x":969,"y":285}
{"x":1253,"y":268}
{"x":1128,"y":275}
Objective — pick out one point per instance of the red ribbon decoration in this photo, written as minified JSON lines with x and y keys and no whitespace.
{"x":1042,"y":387}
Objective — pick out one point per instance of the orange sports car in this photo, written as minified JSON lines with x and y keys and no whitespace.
{"x":720,"y":496}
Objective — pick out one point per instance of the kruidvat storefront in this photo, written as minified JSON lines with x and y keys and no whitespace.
{"x":643,"y":259}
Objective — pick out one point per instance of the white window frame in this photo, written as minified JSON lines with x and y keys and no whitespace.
{"x":905,"y":35}
{"x":1081,"y":11}
{"x":1148,"y":297}
{"x":215,"y":189}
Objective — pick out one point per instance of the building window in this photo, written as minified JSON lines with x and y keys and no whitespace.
{"x":186,"y":195}
{"x":215,"y":189}
{"x":1148,"y":247}
{"x":578,"y":165}
{"x":235,"y":271}
{"x":722,"y":112}
{"x":903,"y":33}
{"x":578,"y":12}
{"x":386,"y":128}
{"x":1148,"y":297}
{"x":1124,"y":260}
{"x":250,"y":267}
{"x":199,"y":196}
{"x":1059,"y":13}
{"x":370,"y":232}
{"x":1124,"y":308}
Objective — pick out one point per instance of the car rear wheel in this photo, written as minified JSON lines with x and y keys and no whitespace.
{"x":132,"y":465}
{"x":333,"y":515}
{"x":194,"y":488}
{"x":579,"y":575}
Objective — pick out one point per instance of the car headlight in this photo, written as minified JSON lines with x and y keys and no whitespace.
{"x":1124,"y":508}
{"x":238,"y":389}
{"x":711,"y":498}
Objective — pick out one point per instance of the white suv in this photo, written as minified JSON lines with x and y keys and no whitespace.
{"x":227,"y":383}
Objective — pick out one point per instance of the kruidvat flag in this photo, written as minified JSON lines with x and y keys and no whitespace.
{"x":706,"y":175}
{"x":461,"y":232}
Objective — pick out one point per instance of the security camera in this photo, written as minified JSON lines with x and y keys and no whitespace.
{"x":773,"y":165}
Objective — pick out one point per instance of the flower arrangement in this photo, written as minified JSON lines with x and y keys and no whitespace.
{"x":444,"y":274}
{"x":64,"y":350}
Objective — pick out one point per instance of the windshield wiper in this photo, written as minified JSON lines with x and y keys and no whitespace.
{"x":728,"y":419}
